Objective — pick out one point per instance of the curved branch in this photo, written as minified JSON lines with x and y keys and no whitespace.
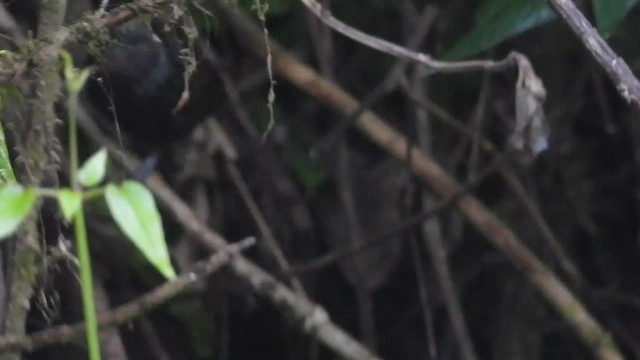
{"x":377,"y":129}
{"x":131,"y":310}
{"x":402,"y":52}
{"x":312,"y":318}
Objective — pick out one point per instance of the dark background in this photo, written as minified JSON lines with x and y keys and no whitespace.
{"x":312,"y":171}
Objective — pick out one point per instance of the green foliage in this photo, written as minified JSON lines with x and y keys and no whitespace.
{"x":6,"y":171}
{"x":609,"y":14}
{"x":15,"y":204}
{"x":498,"y":20}
{"x":93,"y":170}
{"x":131,"y":205}
{"x":69,"y":202}
{"x":134,"y":210}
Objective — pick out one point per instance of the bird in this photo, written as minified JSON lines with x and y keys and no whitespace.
{"x":138,"y":83}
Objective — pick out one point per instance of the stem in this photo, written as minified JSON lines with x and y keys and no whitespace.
{"x":87,"y":195}
{"x":45,"y":192}
{"x":92,"y":194}
{"x":82,"y":243}
{"x":86,"y":282}
{"x":73,"y":141}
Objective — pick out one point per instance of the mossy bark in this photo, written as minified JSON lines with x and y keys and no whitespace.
{"x":32,"y":122}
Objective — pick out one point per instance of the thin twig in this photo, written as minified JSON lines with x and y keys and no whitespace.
{"x":402,"y":52}
{"x":499,"y":234}
{"x":131,"y":310}
{"x":432,"y":238}
{"x":411,"y":21}
{"x":423,"y":295}
{"x":477,"y":117}
{"x":233,"y":94}
{"x":235,"y":174}
{"x":565,"y":262}
{"x":262,"y":224}
{"x":322,"y":41}
{"x":619,"y":72}
{"x":312,"y":318}
{"x":405,"y":225}
{"x":390,"y":81}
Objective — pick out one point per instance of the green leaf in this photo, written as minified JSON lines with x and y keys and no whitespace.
{"x":69,"y":202}
{"x":609,"y":14}
{"x":134,"y":210}
{"x":92,"y":171}
{"x":15,"y":204}
{"x":499,"y":20}
{"x":74,"y":78}
{"x":6,"y":171}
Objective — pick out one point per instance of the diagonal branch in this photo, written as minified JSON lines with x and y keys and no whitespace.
{"x":312,"y":318}
{"x":131,"y":310}
{"x":627,"y":84}
{"x":498,"y":233}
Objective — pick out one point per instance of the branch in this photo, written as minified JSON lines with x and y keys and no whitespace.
{"x":431,"y":229}
{"x":507,"y":173}
{"x":131,"y":310}
{"x":312,"y":318}
{"x":403,"y":226}
{"x":499,"y":234}
{"x":32,"y":121}
{"x":261,"y":223}
{"x":627,"y":84}
{"x":55,"y":40}
{"x":402,"y":52}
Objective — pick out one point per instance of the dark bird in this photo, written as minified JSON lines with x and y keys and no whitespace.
{"x":138,"y":84}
